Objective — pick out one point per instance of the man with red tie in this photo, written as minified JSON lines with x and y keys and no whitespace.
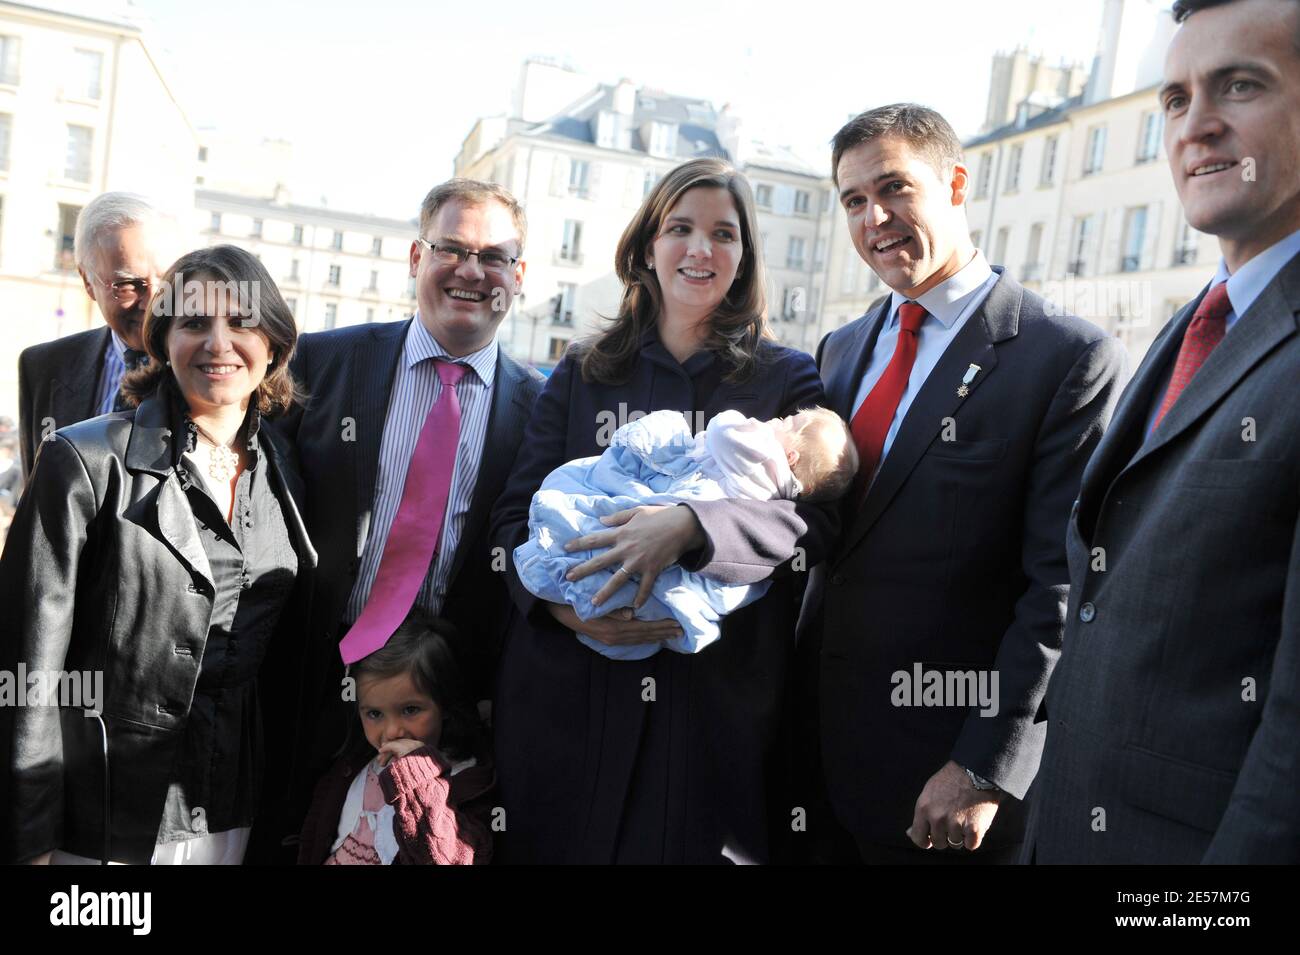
{"x":408,"y":435}
{"x":1174,"y":712}
{"x":928,"y":637}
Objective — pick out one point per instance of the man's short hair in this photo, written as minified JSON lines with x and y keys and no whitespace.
{"x":106,"y":213}
{"x":474,"y":192}
{"x":927,"y":132}
{"x":1185,"y":8}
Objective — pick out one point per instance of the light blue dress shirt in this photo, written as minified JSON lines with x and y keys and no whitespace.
{"x":110,"y":378}
{"x":1246,"y":285}
{"x":950,"y":305}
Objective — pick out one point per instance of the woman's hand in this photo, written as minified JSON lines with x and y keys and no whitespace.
{"x":616,"y":629}
{"x":643,"y":542}
{"x":396,"y":748}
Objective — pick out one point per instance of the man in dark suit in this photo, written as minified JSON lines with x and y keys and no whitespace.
{"x":928,"y":636}
{"x":76,"y":377}
{"x":1173,"y":717}
{"x":371,"y":389}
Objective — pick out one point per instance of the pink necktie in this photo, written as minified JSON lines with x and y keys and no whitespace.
{"x":413,"y":538}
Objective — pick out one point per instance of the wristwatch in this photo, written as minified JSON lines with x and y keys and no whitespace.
{"x":979,"y":782}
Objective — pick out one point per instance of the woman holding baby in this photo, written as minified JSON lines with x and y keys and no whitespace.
{"x":675,"y":758}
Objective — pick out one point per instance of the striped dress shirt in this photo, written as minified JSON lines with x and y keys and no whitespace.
{"x":110,"y":379}
{"x":415,"y":389}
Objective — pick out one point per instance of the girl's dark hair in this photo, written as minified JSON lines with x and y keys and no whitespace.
{"x":424,"y":649}
{"x":240,"y":272}
{"x":740,"y":320}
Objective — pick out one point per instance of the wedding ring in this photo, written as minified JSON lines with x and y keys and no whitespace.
{"x":954,"y":845}
{"x":624,"y":570}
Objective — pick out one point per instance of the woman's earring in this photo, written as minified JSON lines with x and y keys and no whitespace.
{"x":650,"y":266}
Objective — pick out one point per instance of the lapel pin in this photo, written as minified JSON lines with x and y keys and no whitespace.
{"x":971,"y":372}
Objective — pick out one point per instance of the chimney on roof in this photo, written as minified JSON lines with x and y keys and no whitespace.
{"x":625,"y":97}
{"x":727,"y":129}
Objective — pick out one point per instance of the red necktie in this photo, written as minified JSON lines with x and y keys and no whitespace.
{"x":1206,"y":330}
{"x":413,"y":538}
{"x":871,"y":423}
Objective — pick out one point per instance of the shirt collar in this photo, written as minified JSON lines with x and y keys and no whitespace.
{"x":421,"y":346}
{"x":119,"y":346}
{"x":1249,"y":281}
{"x":947,"y":300}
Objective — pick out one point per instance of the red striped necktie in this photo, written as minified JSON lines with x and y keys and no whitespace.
{"x":1207,"y":328}
{"x":872,"y":421}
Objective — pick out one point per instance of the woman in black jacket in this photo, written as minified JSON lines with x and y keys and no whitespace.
{"x":675,"y":758}
{"x":152,"y":560}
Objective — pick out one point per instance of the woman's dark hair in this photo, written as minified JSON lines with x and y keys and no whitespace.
{"x":424,"y":650}
{"x":739,"y":321}
{"x":250,"y":285}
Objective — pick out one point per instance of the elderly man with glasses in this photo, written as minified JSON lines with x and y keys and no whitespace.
{"x":78,"y":376}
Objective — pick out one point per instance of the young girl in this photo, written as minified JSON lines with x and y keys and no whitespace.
{"x":414,"y":789}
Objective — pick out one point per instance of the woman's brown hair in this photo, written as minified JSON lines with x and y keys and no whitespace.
{"x":739,"y":321}
{"x":238,"y":271}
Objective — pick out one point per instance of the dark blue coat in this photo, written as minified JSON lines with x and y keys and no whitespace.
{"x":590,"y":771}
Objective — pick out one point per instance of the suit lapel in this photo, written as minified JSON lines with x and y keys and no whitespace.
{"x":77,"y":385}
{"x":842,"y":387}
{"x":1269,"y":321}
{"x":511,"y":405}
{"x":373,"y":372}
{"x":996,"y":320}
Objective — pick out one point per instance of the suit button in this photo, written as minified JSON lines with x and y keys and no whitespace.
{"x":1087,"y":613}
{"x":837,"y":579}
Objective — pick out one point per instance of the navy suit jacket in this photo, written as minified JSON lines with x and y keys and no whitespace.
{"x":956,"y":558}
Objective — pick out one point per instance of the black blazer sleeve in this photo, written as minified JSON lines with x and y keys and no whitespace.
{"x":1262,"y":821}
{"x":1006,"y":748}
{"x":38,"y":585}
{"x":543,"y":450}
{"x":749,"y":541}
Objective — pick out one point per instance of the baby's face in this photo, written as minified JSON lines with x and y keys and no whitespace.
{"x":787,"y":430}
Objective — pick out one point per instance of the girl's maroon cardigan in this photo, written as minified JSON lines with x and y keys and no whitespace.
{"x":440,"y":819}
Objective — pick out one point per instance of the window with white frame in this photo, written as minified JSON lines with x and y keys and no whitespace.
{"x":377,"y":246}
{"x":976,"y":238}
{"x":819,"y":253}
{"x":1014,"y":160}
{"x":849,"y":275}
{"x":292,"y":305}
{"x":214,"y":222}
{"x":571,"y":241}
{"x":257,"y":229}
{"x":1050,"y":147}
{"x":802,"y":202}
{"x":64,"y":257}
{"x":794,"y":252}
{"x":1153,"y":127}
{"x":293,"y":270}
{"x":1081,"y":238}
{"x":579,"y":173}
{"x":80,"y":142}
{"x":1095,"y":156}
{"x":564,"y":303}
{"x":370,"y":315}
{"x":9,"y":47}
{"x":983,"y":176}
{"x":1135,"y":234}
{"x":331,"y":314}
{"x":1186,"y":246}
{"x":88,"y":67}
{"x":374,"y":281}
{"x":6,"y":135}
{"x":555,"y":351}
{"x":763,"y":195}
{"x":1000,"y":246}
{"x":663,"y":139}
{"x":297,"y":235}
{"x":1033,"y":269}
{"x":336,"y":274}
{"x":338,"y":241}
{"x":649,"y":182}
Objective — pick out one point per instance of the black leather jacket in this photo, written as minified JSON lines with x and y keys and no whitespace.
{"x":103,"y":571}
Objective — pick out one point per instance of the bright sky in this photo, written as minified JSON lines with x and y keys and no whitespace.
{"x":377,"y":97}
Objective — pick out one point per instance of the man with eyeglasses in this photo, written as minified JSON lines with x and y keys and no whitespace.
{"x":407,"y":440}
{"x":77,"y":377}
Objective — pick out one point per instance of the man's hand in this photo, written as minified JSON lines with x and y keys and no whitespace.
{"x":618,"y":628}
{"x":643,"y":542}
{"x":951,"y":812}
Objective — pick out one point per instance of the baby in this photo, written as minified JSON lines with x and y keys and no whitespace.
{"x":807,"y":456}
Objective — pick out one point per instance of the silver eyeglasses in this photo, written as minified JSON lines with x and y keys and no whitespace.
{"x":492,"y":260}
